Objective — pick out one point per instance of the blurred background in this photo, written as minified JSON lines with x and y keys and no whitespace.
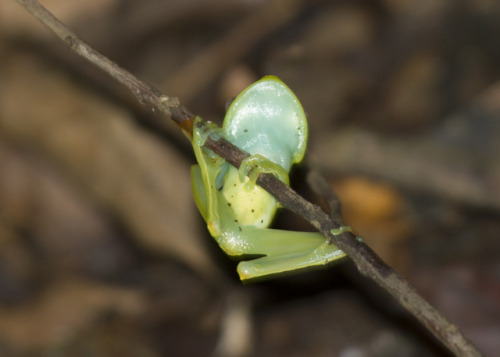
{"x":102,"y":251}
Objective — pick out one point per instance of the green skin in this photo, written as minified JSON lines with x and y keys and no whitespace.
{"x":267,"y":121}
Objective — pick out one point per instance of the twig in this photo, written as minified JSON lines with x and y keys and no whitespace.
{"x":145,"y":93}
{"x":367,"y":262}
{"x":322,"y":189}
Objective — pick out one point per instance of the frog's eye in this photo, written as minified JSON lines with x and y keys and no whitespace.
{"x":268,"y":119}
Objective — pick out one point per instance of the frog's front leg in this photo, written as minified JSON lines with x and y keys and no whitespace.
{"x":256,"y":164}
{"x":207,"y":176}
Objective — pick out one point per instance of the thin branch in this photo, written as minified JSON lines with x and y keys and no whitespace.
{"x":145,"y":93}
{"x":367,"y":262}
{"x":322,"y":189}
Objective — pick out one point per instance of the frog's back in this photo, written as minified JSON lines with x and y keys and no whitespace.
{"x":266,"y":119}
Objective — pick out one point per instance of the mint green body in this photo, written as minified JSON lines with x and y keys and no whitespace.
{"x":267,"y":121}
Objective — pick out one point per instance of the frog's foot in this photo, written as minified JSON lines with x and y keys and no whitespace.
{"x":342,"y":229}
{"x":254,"y":165}
{"x":203,"y":131}
{"x":289,"y":262}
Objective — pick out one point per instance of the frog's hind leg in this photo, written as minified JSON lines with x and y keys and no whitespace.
{"x":285,"y":251}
